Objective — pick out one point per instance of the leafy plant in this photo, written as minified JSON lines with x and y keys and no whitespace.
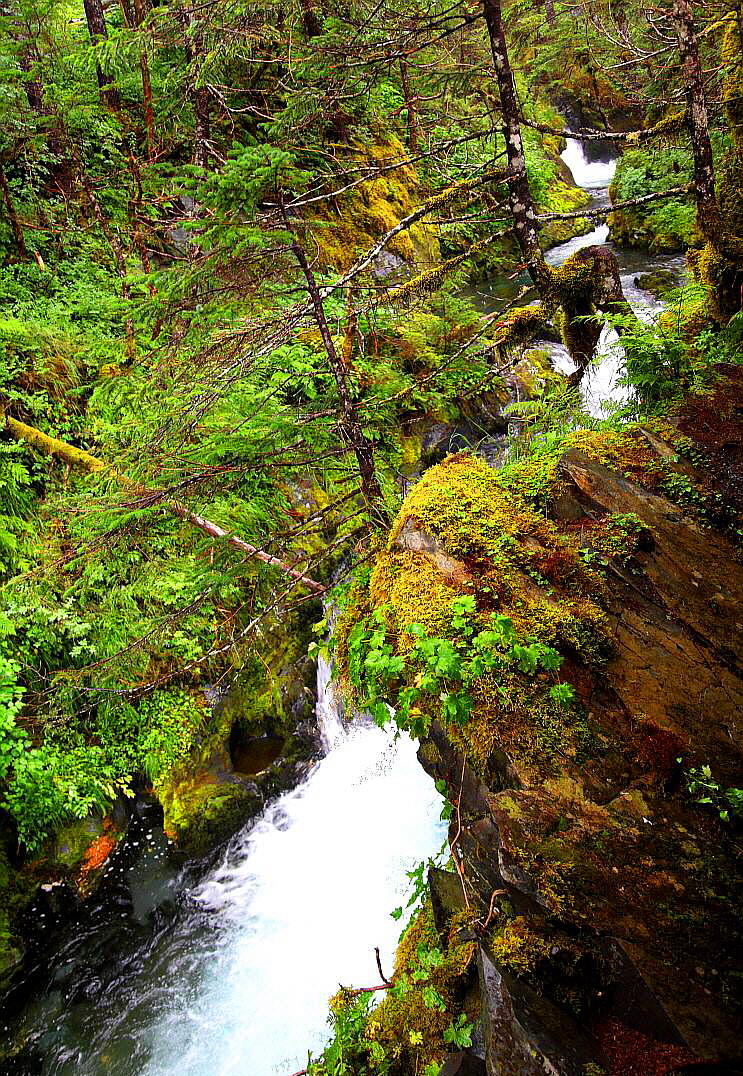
{"x":705,"y":789}
{"x":440,"y":673}
{"x":14,"y":740}
{"x":459,"y":1033}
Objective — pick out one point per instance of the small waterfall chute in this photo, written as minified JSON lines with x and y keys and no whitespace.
{"x":587,"y":173}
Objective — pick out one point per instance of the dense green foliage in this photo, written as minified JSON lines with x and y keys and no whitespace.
{"x":442,"y":668}
{"x":238,"y":251}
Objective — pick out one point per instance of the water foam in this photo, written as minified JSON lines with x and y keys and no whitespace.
{"x":301,"y":900}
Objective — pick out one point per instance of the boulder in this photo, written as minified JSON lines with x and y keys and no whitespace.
{"x":603,"y":891}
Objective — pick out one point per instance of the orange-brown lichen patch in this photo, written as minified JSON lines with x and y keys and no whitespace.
{"x":97,"y":854}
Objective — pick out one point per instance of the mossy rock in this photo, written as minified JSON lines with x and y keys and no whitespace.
{"x":72,"y":842}
{"x":614,"y":549}
{"x":659,"y":227}
{"x":15,"y":890}
{"x":201,"y":812}
{"x":661,"y":283}
{"x":356,"y":219}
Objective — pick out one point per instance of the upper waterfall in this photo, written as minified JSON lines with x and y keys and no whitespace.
{"x":587,"y":173}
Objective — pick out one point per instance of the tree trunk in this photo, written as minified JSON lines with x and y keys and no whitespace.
{"x":77,"y":457}
{"x":149,"y":112}
{"x":311,"y":21}
{"x":520,"y":198}
{"x":199,"y":95}
{"x":134,"y":17}
{"x":708,"y":211}
{"x":348,"y":423}
{"x":98,"y":32}
{"x":128,"y":12}
{"x":15,"y":224}
{"x":410,"y":106}
{"x":54,"y":139}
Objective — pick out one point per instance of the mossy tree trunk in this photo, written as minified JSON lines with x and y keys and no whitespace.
{"x":520,"y":197}
{"x":99,"y":32}
{"x":708,"y":212}
{"x":720,"y":265}
{"x":15,"y":224}
{"x":590,"y":280}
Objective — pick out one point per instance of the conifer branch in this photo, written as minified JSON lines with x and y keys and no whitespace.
{"x":605,"y":211}
{"x":76,"y":457}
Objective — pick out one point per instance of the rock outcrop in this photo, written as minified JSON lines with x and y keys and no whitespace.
{"x":607,"y":895}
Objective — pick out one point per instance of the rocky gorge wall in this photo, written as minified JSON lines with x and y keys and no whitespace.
{"x":601,"y":899}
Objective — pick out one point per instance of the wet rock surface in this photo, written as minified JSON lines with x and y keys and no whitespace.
{"x":626,"y":892}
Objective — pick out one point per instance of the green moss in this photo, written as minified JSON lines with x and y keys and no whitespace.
{"x":491,"y":543}
{"x":665,"y":226}
{"x":518,"y":946}
{"x":15,"y":890}
{"x":406,"y":1025}
{"x":355,"y":220}
{"x":200,"y":811}
{"x":468,"y":529}
{"x":72,"y":842}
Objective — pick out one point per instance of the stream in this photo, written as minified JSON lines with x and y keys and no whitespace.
{"x":600,"y":383}
{"x":229,"y":972}
{"x":231,"y":975}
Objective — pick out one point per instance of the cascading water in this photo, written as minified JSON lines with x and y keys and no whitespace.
{"x":600,"y":385}
{"x":588,"y":174}
{"x":237,"y":983}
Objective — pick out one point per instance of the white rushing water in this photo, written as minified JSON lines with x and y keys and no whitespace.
{"x":600,"y":384}
{"x":303,"y":898}
{"x":587,"y":173}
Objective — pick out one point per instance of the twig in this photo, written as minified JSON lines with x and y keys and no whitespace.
{"x":452,"y":848}
{"x":496,"y":893}
{"x":382,"y":976}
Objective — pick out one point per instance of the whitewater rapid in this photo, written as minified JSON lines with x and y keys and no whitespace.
{"x":600,"y":385}
{"x":303,"y":899}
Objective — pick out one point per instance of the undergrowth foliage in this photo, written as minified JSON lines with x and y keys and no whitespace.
{"x":397,"y":680}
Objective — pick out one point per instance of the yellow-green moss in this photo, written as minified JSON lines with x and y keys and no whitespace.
{"x":485,"y":533}
{"x":200,"y":811}
{"x":411,"y":1032}
{"x":354,"y":221}
{"x":518,"y":947}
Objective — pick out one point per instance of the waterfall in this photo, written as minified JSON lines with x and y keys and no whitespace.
{"x":600,"y":385}
{"x":302,"y":898}
{"x":588,"y":174}
{"x":235,"y":978}
{"x":328,"y":711}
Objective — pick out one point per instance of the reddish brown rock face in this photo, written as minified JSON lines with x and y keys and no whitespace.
{"x":627,"y":894}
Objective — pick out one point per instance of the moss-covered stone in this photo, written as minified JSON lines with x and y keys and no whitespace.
{"x":200,"y":811}
{"x":355,"y":220}
{"x":408,"y":1026}
{"x":660,"y":227}
{"x":571,"y":823}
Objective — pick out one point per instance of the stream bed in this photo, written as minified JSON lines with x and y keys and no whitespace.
{"x":600,"y":383}
{"x":231,"y":974}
